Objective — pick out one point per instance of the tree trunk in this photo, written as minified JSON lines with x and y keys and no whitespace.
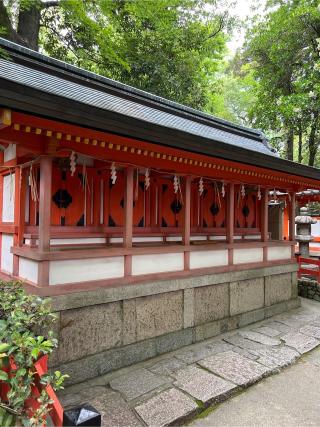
{"x":300,"y":144}
{"x":5,"y":24}
{"x":290,"y":144}
{"x":29,"y":25}
{"x":312,"y":143}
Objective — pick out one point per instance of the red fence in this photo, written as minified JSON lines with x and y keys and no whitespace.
{"x":304,"y":269}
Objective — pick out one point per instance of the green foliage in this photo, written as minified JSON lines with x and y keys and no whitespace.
{"x":283,"y":49}
{"x":166,"y":47}
{"x":22,"y":316}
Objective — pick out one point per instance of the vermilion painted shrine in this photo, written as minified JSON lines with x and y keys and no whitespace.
{"x":147,"y":221}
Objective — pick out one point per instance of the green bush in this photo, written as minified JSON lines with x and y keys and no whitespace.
{"x":22,"y":317}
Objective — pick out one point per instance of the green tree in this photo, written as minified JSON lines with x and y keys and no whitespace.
{"x":284,"y":51}
{"x":167,"y":47}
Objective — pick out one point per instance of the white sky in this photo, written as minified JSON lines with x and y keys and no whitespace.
{"x":243,"y":9}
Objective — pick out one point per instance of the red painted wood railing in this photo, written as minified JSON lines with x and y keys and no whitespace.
{"x":315,"y":272}
{"x":41,"y":367}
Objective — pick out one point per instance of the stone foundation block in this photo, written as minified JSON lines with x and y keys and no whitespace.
{"x":211,"y":303}
{"x":246,"y":295}
{"x":89,"y":330}
{"x":278,"y":288}
{"x":159,"y":314}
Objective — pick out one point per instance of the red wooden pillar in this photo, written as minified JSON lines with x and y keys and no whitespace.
{"x":187,"y":222}
{"x":17,"y":206}
{"x":128,"y":219}
{"x":264,"y":221}
{"x":44,"y":216}
{"x":230,"y":221}
{"x":45,"y":203}
{"x":292,"y":217}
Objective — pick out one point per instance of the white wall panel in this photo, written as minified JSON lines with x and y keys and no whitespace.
{"x":315,"y":229}
{"x":82,"y":270}
{"x":247,"y":255}
{"x":279,"y":252}
{"x":157,"y":263}
{"x":28,"y":269}
{"x":6,"y":256}
{"x":8,"y":198}
{"x":203,"y":259}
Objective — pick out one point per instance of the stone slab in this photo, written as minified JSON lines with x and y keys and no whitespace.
{"x":167,"y":407}
{"x":278,"y":288}
{"x":137,"y":383}
{"x":246,"y":295}
{"x":188,"y":308}
{"x":211,"y":303}
{"x":159,"y":314}
{"x":167,"y":366}
{"x":278,"y":326}
{"x":276,"y":358}
{"x":302,"y":343}
{"x":311,"y":331}
{"x":115,"y":411}
{"x":202,"y":385}
{"x":235,"y":367}
{"x":244,"y":343}
{"x":257,"y":337}
{"x":89,"y":330}
{"x":193,"y":354}
{"x":265,"y":330}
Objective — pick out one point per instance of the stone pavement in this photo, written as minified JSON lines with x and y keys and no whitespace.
{"x":178,"y":386}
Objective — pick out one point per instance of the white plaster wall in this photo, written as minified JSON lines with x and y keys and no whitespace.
{"x":247,"y":255}
{"x":147,"y":239}
{"x":82,"y":270}
{"x":279,"y":252}
{"x":6,"y":256}
{"x":28,"y":269}
{"x":174,"y":239}
{"x":10,"y":152}
{"x":252,"y":237}
{"x":78,"y":241}
{"x":203,"y":259}
{"x":315,"y":229}
{"x":8,"y":198}
{"x":116,"y":240}
{"x":315,"y":244}
{"x":217,"y":237}
{"x":157,"y":263}
{"x":198,"y":238}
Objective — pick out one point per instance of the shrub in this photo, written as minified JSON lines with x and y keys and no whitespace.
{"x":22,"y":317}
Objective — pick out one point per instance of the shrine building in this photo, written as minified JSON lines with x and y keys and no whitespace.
{"x":146,"y":221}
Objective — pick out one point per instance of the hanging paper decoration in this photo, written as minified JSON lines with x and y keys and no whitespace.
{"x":201,"y":188}
{"x":223,"y":190}
{"x":33,"y":185}
{"x":113,"y":173}
{"x":73,"y":162}
{"x":243,"y":191}
{"x":176,"y":184}
{"x":147,"y":179}
{"x":259,"y":193}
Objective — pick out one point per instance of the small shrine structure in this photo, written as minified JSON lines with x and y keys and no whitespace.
{"x":146,"y":221}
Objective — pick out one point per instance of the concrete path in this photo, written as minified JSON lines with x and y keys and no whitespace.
{"x":179,"y":386}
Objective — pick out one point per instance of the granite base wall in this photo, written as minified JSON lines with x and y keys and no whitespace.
{"x":107,"y":329}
